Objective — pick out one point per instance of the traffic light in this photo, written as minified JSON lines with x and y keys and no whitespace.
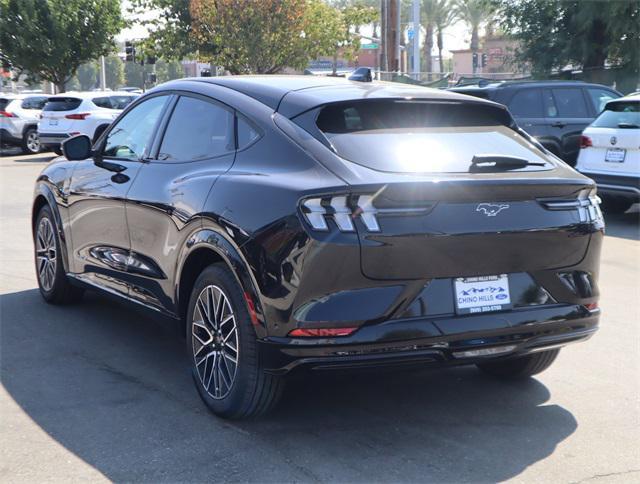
{"x":205,"y":73}
{"x":484,"y":60}
{"x":475,"y":60}
{"x":152,"y":78}
{"x":130,"y":51}
{"x":151,"y":60}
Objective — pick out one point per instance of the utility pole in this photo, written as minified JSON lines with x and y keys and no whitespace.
{"x":393,"y":36}
{"x":384,"y":61}
{"x":416,"y":38}
{"x":103,"y":75}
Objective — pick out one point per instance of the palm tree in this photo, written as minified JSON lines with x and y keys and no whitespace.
{"x":444,"y":16}
{"x":428,"y":20}
{"x":474,"y":13}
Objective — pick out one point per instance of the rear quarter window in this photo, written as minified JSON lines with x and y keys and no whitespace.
{"x":113,"y":102}
{"x":4,"y":103}
{"x":62,"y":104}
{"x":421,"y":137}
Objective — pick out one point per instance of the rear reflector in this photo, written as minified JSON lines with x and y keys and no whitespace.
{"x":585,"y":142}
{"x":321,"y":332}
{"x":591,"y":306}
{"x":496,"y":350}
{"x":79,"y":116}
{"x":252,"y":309}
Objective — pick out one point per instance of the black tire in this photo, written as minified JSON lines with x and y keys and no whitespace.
{"x":53,"y":282}
{"x":98,"y":132}
{"x":520,"y":367}
{"x":615,"y":204}
{"x":30,"y":142}
{"x":251,"y":392}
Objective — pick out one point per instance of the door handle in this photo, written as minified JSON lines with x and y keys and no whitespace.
{"x":558,"y":124}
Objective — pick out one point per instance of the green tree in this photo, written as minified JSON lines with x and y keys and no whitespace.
{"x":114,"y":72}
{"x":50,"y":39}
{"x":474,"y":13}
{"x":168,"y":70}
{"x":428,"y":21}
{"x":246,"y":36}
{"x":586,"y":33}
{"x":87,"y":76}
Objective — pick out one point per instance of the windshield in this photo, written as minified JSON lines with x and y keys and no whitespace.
{"x":619,"y":115}
{"x":422,"y":137}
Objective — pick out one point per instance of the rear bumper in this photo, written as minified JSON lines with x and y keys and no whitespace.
{"x":623,"y":186}
{"x":53,"y":139}
{"x":437,"y":342}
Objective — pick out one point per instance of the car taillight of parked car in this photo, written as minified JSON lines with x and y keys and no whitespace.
{"x":78,"y":116}
{"x":7,"y":114}
{"x":585,"y":142}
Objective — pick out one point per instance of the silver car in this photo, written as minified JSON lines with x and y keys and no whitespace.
{"x":19,"y":116}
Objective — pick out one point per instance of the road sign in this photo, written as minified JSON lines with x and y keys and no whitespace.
{"x":410,"y":34}
{"x":372,"y":45}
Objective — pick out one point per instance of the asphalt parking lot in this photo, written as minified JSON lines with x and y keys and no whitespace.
{"x":99,"y":392}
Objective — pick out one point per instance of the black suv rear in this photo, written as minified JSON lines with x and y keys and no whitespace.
{"x":555,"y":112}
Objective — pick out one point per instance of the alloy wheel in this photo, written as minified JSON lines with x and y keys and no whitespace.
{"x":214,"y":336}
{"x":46,"y":254}
{"x":33,"y":142}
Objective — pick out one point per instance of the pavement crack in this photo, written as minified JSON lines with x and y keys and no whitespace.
{"x":600,"y":476}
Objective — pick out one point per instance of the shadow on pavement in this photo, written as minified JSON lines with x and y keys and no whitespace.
{"x":624,"y":225}
{"x":112,"y":386}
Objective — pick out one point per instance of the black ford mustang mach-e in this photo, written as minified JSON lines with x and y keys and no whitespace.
{"x":302,"y":222}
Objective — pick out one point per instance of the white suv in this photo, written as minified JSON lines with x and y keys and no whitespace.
{"x":610,"y":153}
{"x":19,"y":114}
{"x":73,"y":113}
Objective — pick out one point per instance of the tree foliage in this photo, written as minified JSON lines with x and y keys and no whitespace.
{"x":587,"y":34}
{"x":50,"y":39}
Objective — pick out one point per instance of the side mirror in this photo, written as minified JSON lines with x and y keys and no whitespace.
{"x":77,"y":148}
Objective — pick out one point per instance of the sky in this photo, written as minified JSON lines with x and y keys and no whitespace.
{"x":455,"y":37}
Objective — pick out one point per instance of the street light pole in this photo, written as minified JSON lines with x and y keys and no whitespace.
{"x":103,"y":76}
{"x":416,"y":38}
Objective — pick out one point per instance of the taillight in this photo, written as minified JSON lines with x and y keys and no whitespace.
{"x":587,"y":204}
{"x":79,"y":116}
{"x":343,"y":210}
{"x":591,"y":306}
{"x":321,"y":332}
{"x":585,"y":142}
{"x":7,"y":114}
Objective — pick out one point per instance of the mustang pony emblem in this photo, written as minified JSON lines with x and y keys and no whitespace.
{"x":491,"y":210}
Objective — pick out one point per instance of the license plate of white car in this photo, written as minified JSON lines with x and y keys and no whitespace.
{"x":615,"y":155}
{"x":53,"y":122}
{"x":482,"y":294}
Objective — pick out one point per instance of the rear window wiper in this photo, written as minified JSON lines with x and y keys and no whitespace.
{"x":500,"y":162}
{"x":628,"y":126}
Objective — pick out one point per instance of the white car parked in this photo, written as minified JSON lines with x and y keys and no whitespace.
{"x":610,"y":153}
{"x":19,"y":114}
{"x":73,"y":113}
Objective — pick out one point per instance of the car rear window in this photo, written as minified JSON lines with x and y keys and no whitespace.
{"x":4,"y":103}
{"x":619,"y":115}
{"x":62,"y":104}
{"x":421,"y":137}
{"x":113,"y":102}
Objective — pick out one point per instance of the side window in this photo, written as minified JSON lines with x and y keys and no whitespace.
{"x":550,"y":108}
{"x":599,"y":97}
{"x":570,"y":103}
{"x":197,"y":129}
{"x":132,"y":134}
{"x":102,"y":102}
{"x":34,"y":103}
{"x":246,"y":133}
{"x":526,"y":103}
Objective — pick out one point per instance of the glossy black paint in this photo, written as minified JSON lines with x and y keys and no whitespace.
{"x":143,"y":229}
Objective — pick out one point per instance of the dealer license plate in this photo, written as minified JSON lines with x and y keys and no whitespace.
{"x":615,"y":155}
{"x":482,"y":294}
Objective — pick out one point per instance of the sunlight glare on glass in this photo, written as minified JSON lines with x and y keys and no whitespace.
{"x":423,"y":154}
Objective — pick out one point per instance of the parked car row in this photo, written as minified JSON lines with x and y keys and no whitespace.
{"x":589,"y":126}
{"x":37,"y":121}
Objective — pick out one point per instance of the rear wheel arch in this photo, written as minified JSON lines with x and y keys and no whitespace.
{"x":202,"y":253}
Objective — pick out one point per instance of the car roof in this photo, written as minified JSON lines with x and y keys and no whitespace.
{"x":13,"y":96}
{"x":292,"y":95}
{"x":90,"y":94}
{"x":635,"y":97}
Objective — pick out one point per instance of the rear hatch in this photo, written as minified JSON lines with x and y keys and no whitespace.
{"x":54,"y":114}
{"x":449,"y":190}
{"x":612,"y":143}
